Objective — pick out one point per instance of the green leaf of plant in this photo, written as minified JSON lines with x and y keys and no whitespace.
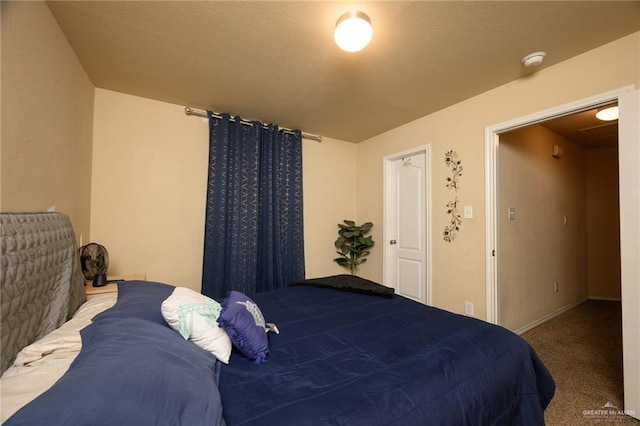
{"x":352,"y":244}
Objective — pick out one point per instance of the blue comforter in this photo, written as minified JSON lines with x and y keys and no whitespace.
{"x":133,"y":370}
{"x":343,"y":358}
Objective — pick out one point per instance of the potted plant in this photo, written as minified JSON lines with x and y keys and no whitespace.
{"x":353,"y":245}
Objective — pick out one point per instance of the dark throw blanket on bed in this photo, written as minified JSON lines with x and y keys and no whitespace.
{"x":348,"y":283}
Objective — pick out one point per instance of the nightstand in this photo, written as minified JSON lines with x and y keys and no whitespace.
{"x":111,"y":287}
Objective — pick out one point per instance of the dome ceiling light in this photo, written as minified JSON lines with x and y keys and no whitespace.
{"x":353,"y":31}
{"x":609,"y":113}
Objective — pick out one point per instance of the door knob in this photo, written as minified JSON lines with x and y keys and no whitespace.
{"x":393,"y":242}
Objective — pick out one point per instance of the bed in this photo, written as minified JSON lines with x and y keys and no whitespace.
{"x":346,"y":351}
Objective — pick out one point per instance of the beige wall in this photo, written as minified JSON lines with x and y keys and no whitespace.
{"x":538,"y":249}
{"x":330,"y":195}
{"x":459,"y":268}
{"x":47,"y":113}
{"x":149,"y":190}
{"x":603,"y":224}
{"x":149,"y":187}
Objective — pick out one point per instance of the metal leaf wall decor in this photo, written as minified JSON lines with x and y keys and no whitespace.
{"x":453,"y":163}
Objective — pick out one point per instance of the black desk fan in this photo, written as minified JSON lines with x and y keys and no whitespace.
{"x":94,"y":261}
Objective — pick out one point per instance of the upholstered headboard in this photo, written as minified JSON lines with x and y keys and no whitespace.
{"x":40,"y":279}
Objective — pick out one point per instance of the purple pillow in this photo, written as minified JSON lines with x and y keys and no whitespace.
{"x":245,"y":325}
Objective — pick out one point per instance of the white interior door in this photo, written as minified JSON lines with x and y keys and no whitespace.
{"x":405,"y":232}
{"x":629,"y":161}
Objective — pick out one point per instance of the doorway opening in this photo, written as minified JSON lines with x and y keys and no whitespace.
{"x":629,"y":179}
{"x":558,"y":230}
{"x":559,"y":218}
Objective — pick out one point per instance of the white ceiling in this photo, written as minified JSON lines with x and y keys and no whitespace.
{"x":276,"y":61}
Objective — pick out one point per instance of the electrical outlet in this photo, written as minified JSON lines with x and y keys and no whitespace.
{"x":468,"y":308}
{"x":556,"y":287}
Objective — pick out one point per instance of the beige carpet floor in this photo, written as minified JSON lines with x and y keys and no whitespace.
{"x":582,"y":348}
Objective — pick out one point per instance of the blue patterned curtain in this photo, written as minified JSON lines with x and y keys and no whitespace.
{"x":253,"y":227}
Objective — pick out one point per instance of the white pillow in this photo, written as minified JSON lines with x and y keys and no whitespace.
{"x":194,"y":316}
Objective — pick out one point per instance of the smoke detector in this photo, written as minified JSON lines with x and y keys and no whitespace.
{"x":533,"y":60}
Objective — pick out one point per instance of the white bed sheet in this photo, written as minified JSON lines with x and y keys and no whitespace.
{"x":38,"y":366}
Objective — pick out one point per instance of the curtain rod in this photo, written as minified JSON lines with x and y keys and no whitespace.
{"x":202,"y":113}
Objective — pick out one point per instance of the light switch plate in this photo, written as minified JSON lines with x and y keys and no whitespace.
{"x":468,"y":212}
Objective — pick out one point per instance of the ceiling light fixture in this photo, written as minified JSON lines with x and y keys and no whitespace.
{"x":609,"y":113}
{"x":533,"y":60}
{"x":353,"y":31}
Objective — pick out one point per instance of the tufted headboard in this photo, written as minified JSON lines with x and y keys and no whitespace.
{"x":40,"y":279}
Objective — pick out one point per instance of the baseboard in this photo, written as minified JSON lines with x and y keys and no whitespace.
{"x":546,"y":318}
{"x":606,"y":299}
